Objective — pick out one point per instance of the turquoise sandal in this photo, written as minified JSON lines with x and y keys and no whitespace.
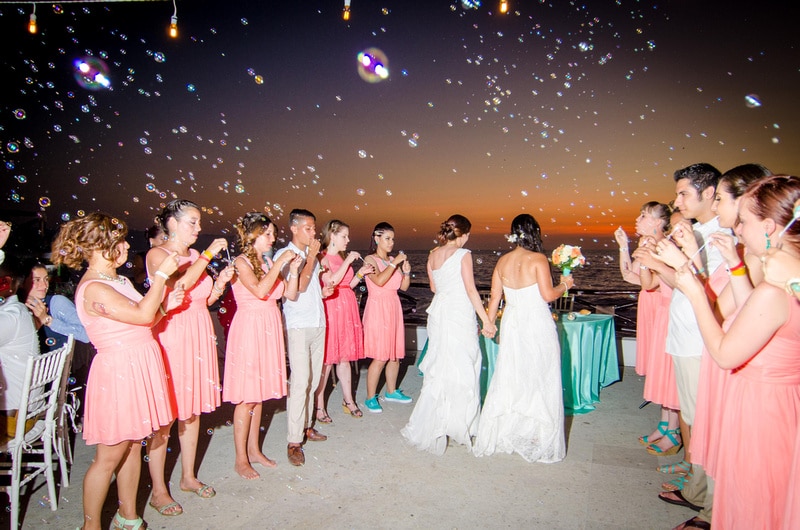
{"x":679,"y":468}
{"x":676,"y":483}
{"x":120,"y":523}
{"x":662,"y":428}
{"x":672,"y":436}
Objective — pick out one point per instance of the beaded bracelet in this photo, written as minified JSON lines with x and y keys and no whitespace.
{"x":217,"y":291}
{"x":162,"y":274}
{"x":392,"y":265}
{"x":566,"y":289}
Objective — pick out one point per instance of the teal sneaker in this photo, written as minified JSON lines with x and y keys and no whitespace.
{"x":373,"y":405}
{"x":397,"y":397}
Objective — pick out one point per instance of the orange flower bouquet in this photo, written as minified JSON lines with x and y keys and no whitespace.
{"x":567,"y":257}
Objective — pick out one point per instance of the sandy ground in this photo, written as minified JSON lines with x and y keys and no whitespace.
{"x":365,"y":476}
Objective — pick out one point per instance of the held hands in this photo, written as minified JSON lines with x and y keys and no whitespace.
{"x":489,"y":330}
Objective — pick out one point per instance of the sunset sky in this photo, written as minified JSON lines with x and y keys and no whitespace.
{"x":575,"y":112}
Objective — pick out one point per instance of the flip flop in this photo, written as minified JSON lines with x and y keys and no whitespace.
{"x":165,"y":509}
{"x":204,"y":491}
{"x":681,"y":501}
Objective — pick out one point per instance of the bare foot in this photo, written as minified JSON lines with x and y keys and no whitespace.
{"x":245,"y":470}
{"x":260,"y":458}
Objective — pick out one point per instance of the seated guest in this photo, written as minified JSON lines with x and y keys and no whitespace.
{"x":18,"y":340}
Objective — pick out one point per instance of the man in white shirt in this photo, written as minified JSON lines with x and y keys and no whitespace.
{"x":18,"y":338}
{"x":305,"y":335}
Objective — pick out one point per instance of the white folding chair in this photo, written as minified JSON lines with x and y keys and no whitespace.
{"x":40,"y":401}
{"x":563,"y":304}
{"x":64,"y":414}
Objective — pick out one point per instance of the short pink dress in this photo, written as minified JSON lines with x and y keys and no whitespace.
{"x":190,"y":347}
{"x":127,"y":396}
{"x":659,"y":385}
{"x":255,"y":357}
{"x":760,"y":425}
{"x":646,"y":309}
{"x":344,"y":335}
{"x":384,"y":330}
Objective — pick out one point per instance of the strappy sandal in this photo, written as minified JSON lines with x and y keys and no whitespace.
{"x":672,"y":435}
{"x":324,"y":418}
{"x":679,"y":468}
{"x":662,"y":428}
{"x":204,"y":491}
{"x":356,"y":413}
{"x":677,"y":483}
{"x":120,"y":523}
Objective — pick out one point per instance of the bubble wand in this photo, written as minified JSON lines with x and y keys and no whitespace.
{"x":791,"y":222}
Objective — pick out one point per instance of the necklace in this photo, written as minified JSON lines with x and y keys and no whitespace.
{"x":119,"y":279}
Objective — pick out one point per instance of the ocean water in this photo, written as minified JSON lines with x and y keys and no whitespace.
{"x":599,"y":282}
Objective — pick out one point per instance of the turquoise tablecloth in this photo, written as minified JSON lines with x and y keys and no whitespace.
{"x":588,"y":360}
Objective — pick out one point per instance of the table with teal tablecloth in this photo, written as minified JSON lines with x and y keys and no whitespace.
{"x":588,"y":360}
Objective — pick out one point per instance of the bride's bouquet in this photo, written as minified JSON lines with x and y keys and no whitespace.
{"x":567,"y":257}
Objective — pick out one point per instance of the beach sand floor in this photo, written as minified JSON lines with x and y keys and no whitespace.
{"x":365,"y":476}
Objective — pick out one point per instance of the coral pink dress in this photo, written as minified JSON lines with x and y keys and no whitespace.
{"x":127,"y":395}
{"x":384,"y":331}
{"x":255,"y":357}
{"x":659,"y":385}
{"x":760,"y":426}
{"x":190,"y":347}
{"x":649,"y":302}
{"x":344,"y":335}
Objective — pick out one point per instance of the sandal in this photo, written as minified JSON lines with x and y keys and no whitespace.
{"x":204,"y":491}
{"x":672,"y":435}
{"x":324,"y":418}
{"x":696,"y":522}
{"x":354,"y":412}
{"x":662,"y":428}
{"x":170,"y":509}
{"x":677,"y":483}
{"x":679,"y":468}
{"x":120,"y":523}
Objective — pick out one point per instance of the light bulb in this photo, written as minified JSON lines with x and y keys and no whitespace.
{"x":32,"y":24}
{"x":346,"y":12}
{"x":504,"y":6}
{"x":173,"y":26}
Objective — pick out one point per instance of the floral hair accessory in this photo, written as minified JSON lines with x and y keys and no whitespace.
{"x":512,"y":238}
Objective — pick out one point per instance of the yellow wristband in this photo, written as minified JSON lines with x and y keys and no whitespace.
{"x":207,"y":255}
{"x":739,"y":272}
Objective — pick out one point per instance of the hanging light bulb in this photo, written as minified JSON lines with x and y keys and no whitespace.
{"x":504,"y":6}
{"x":346,"y":12}
{"x":32,"y":29}
{"x":173,"y":22}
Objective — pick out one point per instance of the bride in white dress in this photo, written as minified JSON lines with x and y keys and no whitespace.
{"x":449,"y":403}
{"x":524,"y":412}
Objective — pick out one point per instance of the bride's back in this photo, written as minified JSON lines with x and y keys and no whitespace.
{"x":521,"y":268}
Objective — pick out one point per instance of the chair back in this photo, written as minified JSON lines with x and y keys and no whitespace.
{"x":563,"y":304}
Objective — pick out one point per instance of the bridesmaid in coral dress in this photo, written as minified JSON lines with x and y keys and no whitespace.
{"x":190,"y":349}
{"x":760,"y":421}
{"x":127,"y":397}
{"x":344,"y":334}
{"x":384,"y":335}
{"x":255,"y":357}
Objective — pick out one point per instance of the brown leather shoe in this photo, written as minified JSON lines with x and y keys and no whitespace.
{"x":312,"y":435}
{"x":296,"y":456}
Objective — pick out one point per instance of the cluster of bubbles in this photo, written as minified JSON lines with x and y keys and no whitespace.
{"x":373,"y":65}
{"x":92,"y":73}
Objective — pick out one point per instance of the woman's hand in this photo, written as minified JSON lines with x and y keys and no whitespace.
{"x":366,"y":269}
{"x":683,"y":235}
{"x":170,"y":264}
{"x":569,"y":281}
{"x":667,"y":252}
{"x":727,"y":247}
{"x":216,"y":246}
{"x":406,"y":266}
{"x":489,"y":330}
{"x":175,"y":297}
{"x":225,"y":275}
{"x":399,"y":259}
{"x":37,"y":307}
{"x":622,"y":238}
{"x":296,"y":263}
{"x":351,"y":257}
{"x":687,"y":282}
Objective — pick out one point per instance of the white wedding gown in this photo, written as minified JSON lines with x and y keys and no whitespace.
{"x":524,"y":411}
{"x":449,"y":403}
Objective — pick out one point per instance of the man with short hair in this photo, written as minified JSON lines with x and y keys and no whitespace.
{"x":305,"y":335}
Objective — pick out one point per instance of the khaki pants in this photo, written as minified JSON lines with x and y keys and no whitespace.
{"x":306,"y":347}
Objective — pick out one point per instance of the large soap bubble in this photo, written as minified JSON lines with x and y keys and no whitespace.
{"x":373,"y":65}
{"x":92,"y":73}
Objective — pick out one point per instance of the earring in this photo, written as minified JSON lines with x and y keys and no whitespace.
{"x":769,"y":243}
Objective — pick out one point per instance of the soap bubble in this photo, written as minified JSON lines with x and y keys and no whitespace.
{"x":360,"y":192}
{"x":20,"y":114}
{"x":362,"y":153}
{"x":373,"y":65}
{"x":191,"y":88}
{"x":44,"y":202}
{"x":50,"y":341}
{"x":752,"y":101}
{"x":259,"y":80}
{"x":159,"y":57}
{"x":13,"y":147}
{"x":91,"y":73}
